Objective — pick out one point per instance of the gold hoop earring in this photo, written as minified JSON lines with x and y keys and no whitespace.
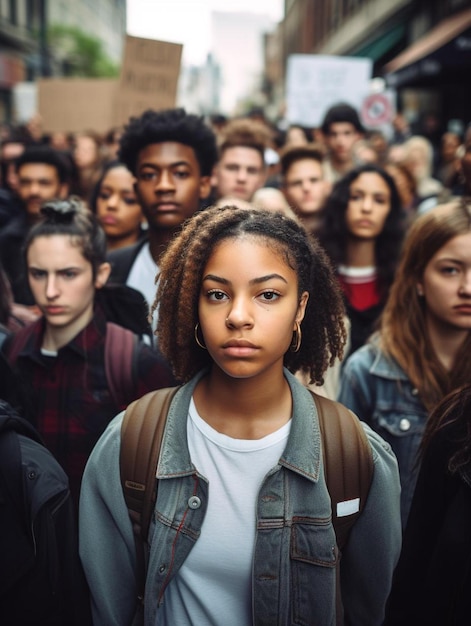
{"x":297,"y":337}
{"x":201,"y":345}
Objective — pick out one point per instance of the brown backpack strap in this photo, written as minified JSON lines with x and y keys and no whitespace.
{"x":348,"y":462}
{"x":141,"y":437}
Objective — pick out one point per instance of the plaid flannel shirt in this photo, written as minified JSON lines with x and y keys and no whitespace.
{"x":67,"y":396}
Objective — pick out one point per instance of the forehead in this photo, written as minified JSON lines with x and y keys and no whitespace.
{"x":38,"y":170}
{"x":306,"y":167}
{"x":167,"y":153}
{"x":118,"y":176}
{"x":242,"y":155}
{"x":458,"y":247}
{"x":371,"y":180}
{"x":341,"y":128}
{"x":251,"y":250}
{"x":56,"y":250}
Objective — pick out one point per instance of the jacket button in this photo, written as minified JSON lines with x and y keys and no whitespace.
{"x":162,"y":568}
{"x":32,"y":475}
{"x":415,"y":391}
{"x":404,"y":424}
{"x":194,"y":502}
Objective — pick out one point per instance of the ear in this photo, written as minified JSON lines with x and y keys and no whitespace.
{"x":302,"y":307}
{"x":102,"y":275}
{"x":205,"y":187}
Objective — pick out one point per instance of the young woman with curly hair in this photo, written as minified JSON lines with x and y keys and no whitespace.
{"x":422,"y":349}
{"x":362,"y":233}
{"x":242,"y":530}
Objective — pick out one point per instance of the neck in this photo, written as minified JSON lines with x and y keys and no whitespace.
{"x":244,"y":408}
{"x":360,"y":253}
{"x":114,"y":243}
{"x":311,"y":222}
{"x":158,"y":242}
{"x":57,"y":337}
{"x":342,"y":167}
{"x":446,"y":342}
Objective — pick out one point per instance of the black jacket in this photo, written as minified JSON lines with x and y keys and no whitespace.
{"x":122,"y":260}
{"x":41,"y":579}
{"x":432,"y":581}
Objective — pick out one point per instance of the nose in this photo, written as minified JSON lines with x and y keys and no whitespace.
{"x":240,"y":315}
{"x":242,"y":174}
{"x":112,"y":201}
{"x":52,"y":290}
{"x":367,"y":204}
{"x":465,"y":287}
{"x":164,"y":182}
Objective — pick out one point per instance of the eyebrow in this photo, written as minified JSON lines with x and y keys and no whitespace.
{"x":254,"y":281}
{"x":159,"y":166}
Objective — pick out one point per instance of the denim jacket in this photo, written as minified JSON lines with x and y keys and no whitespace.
{"x":295,"y":554}
{"x":375,"y":387}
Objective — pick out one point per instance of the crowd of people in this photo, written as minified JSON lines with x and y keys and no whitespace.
{"x":249,"y":266}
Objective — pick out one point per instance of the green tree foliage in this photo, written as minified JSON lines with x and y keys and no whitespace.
{"x":81,"y":54}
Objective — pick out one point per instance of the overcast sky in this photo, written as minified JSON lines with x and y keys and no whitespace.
{"x":188,"y":21}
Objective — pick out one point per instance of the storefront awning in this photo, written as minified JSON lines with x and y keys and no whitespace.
{"x":380,"y":46}
{"x":445,"y":52}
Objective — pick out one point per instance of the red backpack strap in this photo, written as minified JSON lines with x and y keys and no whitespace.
{"x":121,"y":363}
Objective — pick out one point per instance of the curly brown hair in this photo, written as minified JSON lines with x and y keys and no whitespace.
{"x":181,"y":271}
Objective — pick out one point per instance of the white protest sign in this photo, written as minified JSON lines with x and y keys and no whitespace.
{"x":316,"y":82}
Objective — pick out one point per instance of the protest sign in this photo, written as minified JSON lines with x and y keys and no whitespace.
{"x":76,"y":104}
{"x":149,"y":77}
{"x":316,"y":82}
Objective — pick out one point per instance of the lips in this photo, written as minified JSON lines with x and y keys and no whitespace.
{"x":54,"y":310}
{"x":109,"y":221}
{"x":165,"y":207}
{"x":239,"y":347}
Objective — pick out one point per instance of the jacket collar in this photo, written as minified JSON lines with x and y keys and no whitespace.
{"x":305,"y":460}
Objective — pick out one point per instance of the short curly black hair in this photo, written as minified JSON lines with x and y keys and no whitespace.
{"x":181,"y":270}
{"x":169,"y":125}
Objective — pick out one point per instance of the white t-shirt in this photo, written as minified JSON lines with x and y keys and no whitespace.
{"x":142,"y":277}
{"x":214,"y":585}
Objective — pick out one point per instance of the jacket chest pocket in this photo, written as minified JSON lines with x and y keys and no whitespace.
{"x":313,"y":561}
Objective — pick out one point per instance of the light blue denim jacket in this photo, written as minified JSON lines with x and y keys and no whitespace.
{"x":375,"y":387}
{"x":295,"y":554}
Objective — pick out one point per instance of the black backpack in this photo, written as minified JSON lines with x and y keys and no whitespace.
{"x":41,"y":581}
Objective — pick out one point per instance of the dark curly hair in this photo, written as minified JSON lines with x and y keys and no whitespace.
{"x":169,"y":125}
{"x":182,"y":266}
{"x":333,"y":232}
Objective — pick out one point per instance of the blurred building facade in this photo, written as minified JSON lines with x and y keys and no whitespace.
{"x":422,"y":48}
{"x":24,"y":53}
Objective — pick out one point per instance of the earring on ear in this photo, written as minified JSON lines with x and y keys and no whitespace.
{"x":197,"y":339}
{"x":297,"y":337}
{"x":420,"y":291}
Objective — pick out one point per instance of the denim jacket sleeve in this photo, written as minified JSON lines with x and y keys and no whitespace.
{"x":107,"y":546}
{"x":356,"y":391}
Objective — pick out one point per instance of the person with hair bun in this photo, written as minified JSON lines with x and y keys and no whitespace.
{"x":421,"y":351}
{"x":242,"y":529}
{"x":60,"y":358}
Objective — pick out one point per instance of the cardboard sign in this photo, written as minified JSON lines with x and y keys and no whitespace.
{"x":149,"y":77}
{"x":77,"y":104}
{"x":316,"y":82}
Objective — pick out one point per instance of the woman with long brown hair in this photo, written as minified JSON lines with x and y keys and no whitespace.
{"x":421,"y":352}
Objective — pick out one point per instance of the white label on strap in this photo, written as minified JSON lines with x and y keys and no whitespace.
{"x":349,"y":507}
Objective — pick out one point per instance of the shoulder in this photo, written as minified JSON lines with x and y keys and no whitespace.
{"x":122,"y":260}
